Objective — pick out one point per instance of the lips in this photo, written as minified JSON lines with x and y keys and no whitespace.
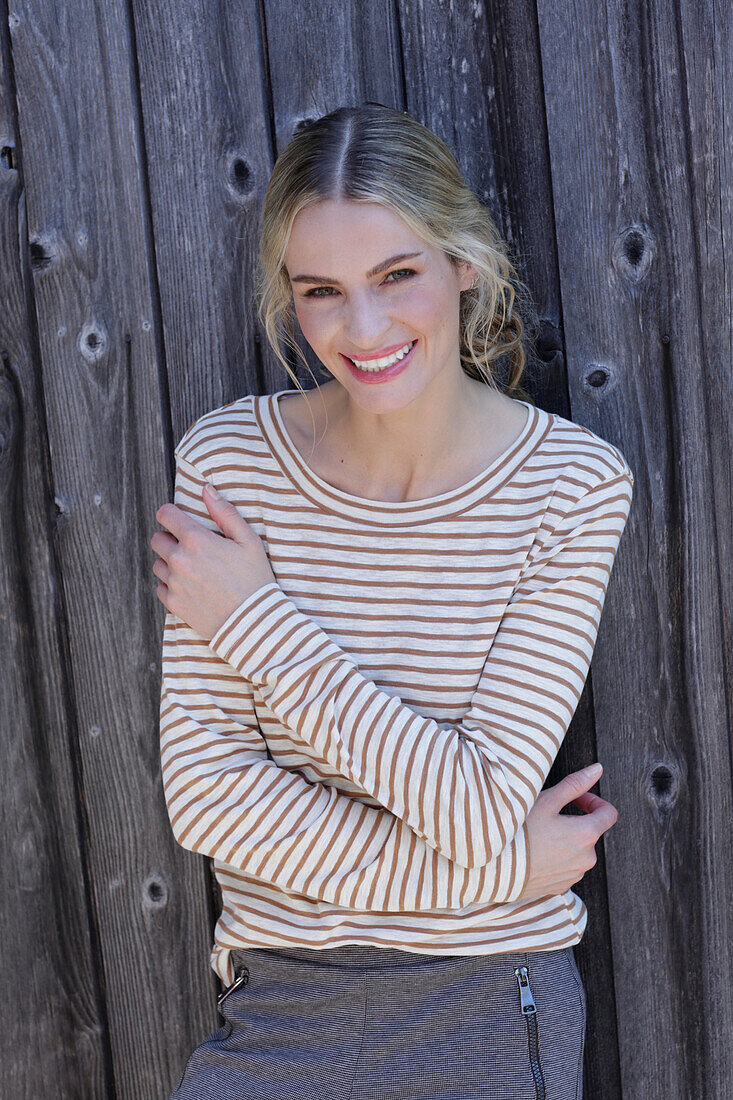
{"x":379,"y":354}
{"x":381,"y":375}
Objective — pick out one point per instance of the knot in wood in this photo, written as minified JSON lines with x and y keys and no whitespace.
{"x":155,"y":891}
{"x":548,"y":343}
{"x":633,"y":252}
{"x":42,"y":255}
{"x":664,"y":786}
{"x":93,"y":343}
{"x":241,"y":177}
{"x":597,"y":376}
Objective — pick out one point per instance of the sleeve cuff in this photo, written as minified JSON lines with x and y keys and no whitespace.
{"x":268,"y":635}
{"x":519,"y":865}
{"x":242,"y":620}
{"x":523,"y":860}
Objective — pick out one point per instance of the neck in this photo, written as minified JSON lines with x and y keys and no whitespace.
{"x":403,"y":453}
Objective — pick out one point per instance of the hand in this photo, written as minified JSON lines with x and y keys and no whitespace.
{"x":206,"y":576}
{"x":562,"y":846}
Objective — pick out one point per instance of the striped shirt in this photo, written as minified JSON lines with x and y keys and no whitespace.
{"x":359,"y":744}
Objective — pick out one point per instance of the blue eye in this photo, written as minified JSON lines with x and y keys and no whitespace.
{"x":406,"y":272}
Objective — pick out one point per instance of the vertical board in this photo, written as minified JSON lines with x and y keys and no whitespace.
{"x":52,"y":1016}
{"x":99,"y":342}
{"x":600,"y":139}
{"x":206,"y":133}
{"x":204,"y":103}
{"x":630,"y":259}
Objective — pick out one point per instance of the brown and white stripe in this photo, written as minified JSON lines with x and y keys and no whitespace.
{"x":360,"y":743}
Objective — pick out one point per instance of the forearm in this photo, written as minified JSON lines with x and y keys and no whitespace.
{"x":467,"y":789}
{"x":227,"y":799}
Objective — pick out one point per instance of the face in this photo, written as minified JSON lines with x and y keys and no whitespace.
{"x":365,"y":287}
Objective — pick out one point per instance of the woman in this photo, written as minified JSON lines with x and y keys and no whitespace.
{"x":367,"y":678}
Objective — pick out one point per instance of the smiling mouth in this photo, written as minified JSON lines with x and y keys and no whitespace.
{"x":372,"y":366}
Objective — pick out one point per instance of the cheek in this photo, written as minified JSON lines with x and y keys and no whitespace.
{"x":429,"y":309}
{"x":313,"y":323}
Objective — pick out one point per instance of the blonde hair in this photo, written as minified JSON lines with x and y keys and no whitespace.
{"x":374,"y":154}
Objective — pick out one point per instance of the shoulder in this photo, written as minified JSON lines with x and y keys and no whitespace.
{"x":586,"y":479}
{"x":230,"y":428}
{"x":583,"y":460}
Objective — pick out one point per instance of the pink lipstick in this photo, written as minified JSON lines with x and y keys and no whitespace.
{"x":373,"y":377}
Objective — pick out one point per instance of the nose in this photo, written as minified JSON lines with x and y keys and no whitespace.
{"x":366,"y":327}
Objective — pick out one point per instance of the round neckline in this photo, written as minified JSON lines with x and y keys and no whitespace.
{"x":320,"y":492}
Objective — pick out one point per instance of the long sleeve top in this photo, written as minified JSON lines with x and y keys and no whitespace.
{"x":360,"y":743}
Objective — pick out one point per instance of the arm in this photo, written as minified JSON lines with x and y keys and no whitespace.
{"x":228,"y":799}
{"x":466,"y":790}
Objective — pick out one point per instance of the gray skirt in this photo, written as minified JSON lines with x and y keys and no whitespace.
{"x":367,"y":1023}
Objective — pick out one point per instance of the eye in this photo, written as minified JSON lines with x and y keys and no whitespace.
{"x":313,"y":293}
{"x":405,"y":272}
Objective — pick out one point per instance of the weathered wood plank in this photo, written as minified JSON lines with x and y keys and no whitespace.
{"x":52,"y":1017}
{"x":203,"y":89}
{"x":203,"y":98}
{"x":598,"y":138}
{"x":100,"y":342}
{"x":632,"y":263}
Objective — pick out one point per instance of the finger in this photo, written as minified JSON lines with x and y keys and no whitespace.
{"x":229,"y":518}
{"x":603,"y":817}
{"x":161,"y":569}
{"x":178,"y":522}
{"x":571,"y":787}
{"x":162,"y":543}
{"x":588,"y":802}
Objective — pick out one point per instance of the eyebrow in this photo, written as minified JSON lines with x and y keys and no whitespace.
{"x":370,"y":274}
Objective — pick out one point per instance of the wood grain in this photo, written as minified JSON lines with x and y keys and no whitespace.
{"x":136,"y":143}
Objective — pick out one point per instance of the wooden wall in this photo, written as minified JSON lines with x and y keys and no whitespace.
{"x":136,"y":141}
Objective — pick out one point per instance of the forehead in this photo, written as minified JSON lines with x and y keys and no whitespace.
{"x":340,"y":236}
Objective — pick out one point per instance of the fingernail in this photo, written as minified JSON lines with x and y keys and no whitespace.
{"x":594,"y":769}
{"x":214,"y":492}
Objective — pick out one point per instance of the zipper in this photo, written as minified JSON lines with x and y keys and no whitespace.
{"x":241,"y":978}
{"x":529,"y":1011}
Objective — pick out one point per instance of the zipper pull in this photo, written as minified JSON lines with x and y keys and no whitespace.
{"x":243,"y":976}
{"x":525,"y":993}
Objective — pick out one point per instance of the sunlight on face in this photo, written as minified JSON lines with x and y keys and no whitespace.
{"x":347,"y":312}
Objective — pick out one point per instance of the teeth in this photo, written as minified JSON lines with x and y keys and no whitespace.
{"x":387,"y":361}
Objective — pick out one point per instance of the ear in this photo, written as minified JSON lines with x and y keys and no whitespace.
{"x":467,"y":275}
